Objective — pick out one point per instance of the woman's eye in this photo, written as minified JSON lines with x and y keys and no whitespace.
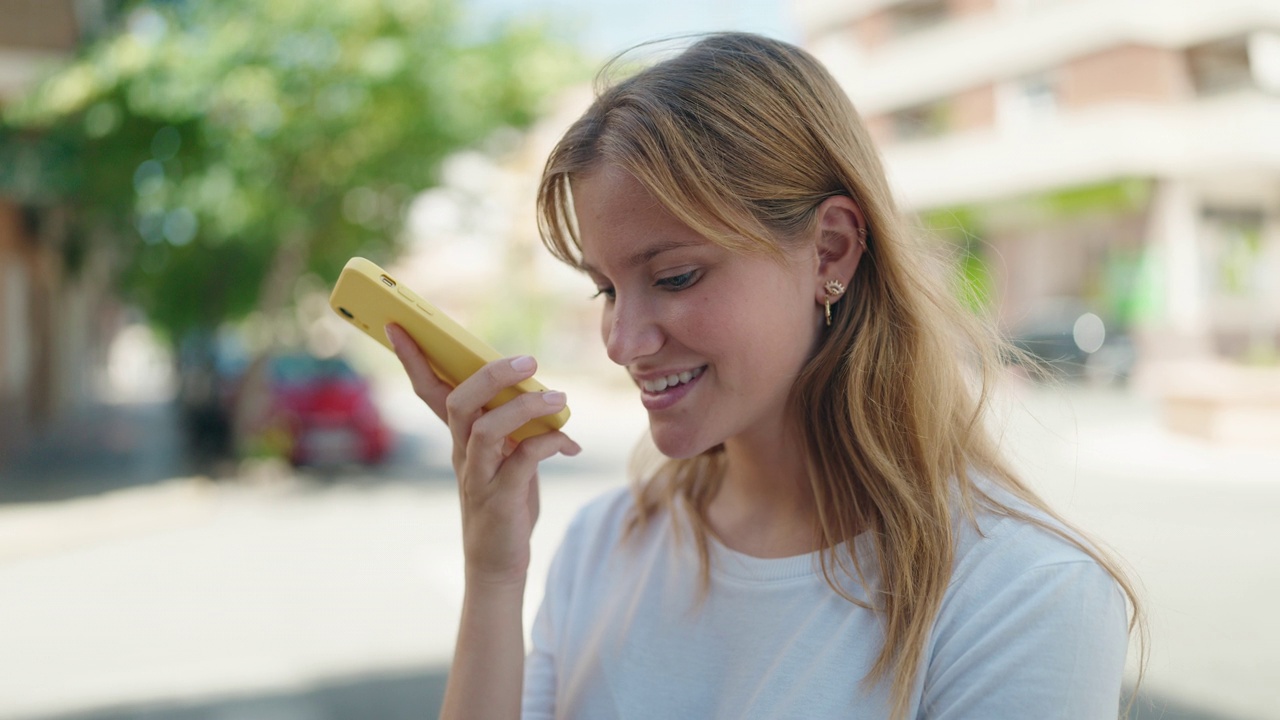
{"x":607,"y":292}
{"x":678,"y":282}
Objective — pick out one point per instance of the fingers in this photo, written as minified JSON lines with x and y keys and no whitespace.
{"x":465,"y":404}
{"x":489,"y":445}
{"x":522,"y":465}
{"x":426,"y":384}
{"x":472,"y":394}
{"x":462,"y":408}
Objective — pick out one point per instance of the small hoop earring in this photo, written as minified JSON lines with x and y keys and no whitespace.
{"x":834,"y":289}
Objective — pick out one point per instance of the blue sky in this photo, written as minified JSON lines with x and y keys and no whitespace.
{"x":609,"y":26}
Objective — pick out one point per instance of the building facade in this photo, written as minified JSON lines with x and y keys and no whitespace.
{"x":1121,"y":157}
{"x":55,"y":316}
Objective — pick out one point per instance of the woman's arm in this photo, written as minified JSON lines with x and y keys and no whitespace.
{"x":488,"y":662}
{"x":498,"y":493}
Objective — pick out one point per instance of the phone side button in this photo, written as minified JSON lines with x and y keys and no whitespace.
{"x":413,"y":298}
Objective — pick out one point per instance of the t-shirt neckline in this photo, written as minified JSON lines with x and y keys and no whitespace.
{"x":730,"y":563}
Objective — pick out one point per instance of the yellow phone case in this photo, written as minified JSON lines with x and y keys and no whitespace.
{"x":369,"y":298}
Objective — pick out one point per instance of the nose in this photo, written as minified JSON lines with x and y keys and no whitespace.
{"x":631,"y":331}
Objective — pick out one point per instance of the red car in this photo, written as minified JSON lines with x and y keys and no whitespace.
{"x":320,"y":411}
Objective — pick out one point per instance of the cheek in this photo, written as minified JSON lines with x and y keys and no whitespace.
{"x":778,"y":332}
{"x":693,"y":314}
{"x":765,"y":331}
{"x":710,"y":324}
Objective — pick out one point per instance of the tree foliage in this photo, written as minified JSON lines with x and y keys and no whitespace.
{"x":204,"y":139}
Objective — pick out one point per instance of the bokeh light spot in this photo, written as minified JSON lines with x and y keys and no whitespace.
{"x":1089,"y":332}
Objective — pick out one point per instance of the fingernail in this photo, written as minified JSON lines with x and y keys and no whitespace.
{"x":391,"y":337}
{"x":553,"y":398}
{"x":524,"y":363}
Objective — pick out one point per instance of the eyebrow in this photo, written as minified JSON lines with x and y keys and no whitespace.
{"x":643,"y":256}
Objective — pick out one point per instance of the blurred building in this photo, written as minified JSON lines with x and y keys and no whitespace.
{"x":53,"y":303}
{"x":1120,"y":156}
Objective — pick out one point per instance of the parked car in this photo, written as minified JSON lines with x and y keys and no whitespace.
{"x":317,"y":411}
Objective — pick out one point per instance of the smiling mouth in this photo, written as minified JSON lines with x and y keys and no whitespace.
{"x":669,"y":382}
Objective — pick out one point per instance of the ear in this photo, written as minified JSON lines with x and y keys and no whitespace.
{"x":841,"y":240}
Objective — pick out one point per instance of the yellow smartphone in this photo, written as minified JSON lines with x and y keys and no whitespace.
{"x":369,"y":298}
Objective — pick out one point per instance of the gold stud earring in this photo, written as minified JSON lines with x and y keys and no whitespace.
{"x":834,"y":289}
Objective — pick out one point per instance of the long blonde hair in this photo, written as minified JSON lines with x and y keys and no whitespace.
{"x":741,"y":137}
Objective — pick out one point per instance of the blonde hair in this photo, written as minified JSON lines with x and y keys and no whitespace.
{"x":741,"y":137}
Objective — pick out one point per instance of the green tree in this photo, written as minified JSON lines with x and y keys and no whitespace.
{"x":225,"y":148}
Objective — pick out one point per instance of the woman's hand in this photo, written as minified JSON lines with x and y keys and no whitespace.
{"x":497,"y":476}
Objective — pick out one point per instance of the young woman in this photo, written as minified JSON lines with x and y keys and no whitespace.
{"x":834,"y":533}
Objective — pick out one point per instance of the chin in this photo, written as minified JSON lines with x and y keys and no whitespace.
{"x":679,"y":446}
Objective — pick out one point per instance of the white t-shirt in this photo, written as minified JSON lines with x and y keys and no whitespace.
{"x":1030,"y":627}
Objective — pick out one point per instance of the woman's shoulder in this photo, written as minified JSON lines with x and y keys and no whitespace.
{"x":1030,"y":619}
{"x":1011,"y":535}
{"x":1011,"y":549}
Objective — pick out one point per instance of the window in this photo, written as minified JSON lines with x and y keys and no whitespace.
{"x":1027,"y":100}
{"x":915,"y":15}
{"x":922,"y":121}
{"x":1221,"y":66}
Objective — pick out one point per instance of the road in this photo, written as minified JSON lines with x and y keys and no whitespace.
{"x":132,"y":588}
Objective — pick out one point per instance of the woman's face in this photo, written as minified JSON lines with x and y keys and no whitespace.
{"x":714,"y":339}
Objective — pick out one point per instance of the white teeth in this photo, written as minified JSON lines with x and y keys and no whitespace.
{"x":670,"y":381}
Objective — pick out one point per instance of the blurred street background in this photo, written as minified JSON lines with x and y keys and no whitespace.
{"x":218,"y":502}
